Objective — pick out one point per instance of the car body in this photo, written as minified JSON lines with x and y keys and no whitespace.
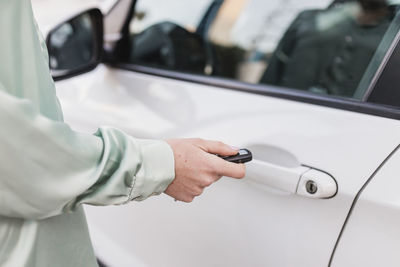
{"x":346,"y":145}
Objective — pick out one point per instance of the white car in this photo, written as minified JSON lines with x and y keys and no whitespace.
{"x":310,"y":87}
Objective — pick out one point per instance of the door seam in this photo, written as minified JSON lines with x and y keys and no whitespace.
{"x":356,"y":200}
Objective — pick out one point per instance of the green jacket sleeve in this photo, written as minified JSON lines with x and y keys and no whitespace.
{"x":47,"y":169}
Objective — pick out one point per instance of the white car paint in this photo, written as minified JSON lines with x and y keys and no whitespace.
{"x":372,"y":236}
{"x":235,"y":223}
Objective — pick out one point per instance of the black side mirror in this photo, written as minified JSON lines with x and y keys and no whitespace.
{"x":76,"y":46}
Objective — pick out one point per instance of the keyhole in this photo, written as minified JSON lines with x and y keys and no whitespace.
{"x":311,"y":187}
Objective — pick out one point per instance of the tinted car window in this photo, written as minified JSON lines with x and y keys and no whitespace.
{"x":318,"y":46}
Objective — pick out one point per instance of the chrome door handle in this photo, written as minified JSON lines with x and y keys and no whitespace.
{"x":300,"y":180}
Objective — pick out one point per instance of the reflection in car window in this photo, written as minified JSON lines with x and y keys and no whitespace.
{"x":318,"y":46}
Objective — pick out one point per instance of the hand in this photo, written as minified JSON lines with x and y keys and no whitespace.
{"x":196,"y":166}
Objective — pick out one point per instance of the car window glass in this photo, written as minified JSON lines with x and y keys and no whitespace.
{"x":319,"y":46}
{"x":366,"y":84}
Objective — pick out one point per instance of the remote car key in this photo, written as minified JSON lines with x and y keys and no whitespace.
{"x":243,"y":156}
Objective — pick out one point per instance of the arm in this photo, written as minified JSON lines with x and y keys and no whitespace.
{"x":46,"y":168}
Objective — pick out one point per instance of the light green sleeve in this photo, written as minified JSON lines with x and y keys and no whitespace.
{"x":47,"y":169}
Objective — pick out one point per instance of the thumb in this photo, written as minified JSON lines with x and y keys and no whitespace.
{"x":217,"y":147}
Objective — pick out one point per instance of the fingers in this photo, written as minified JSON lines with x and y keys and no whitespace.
{"x":233,"y":170}
{"x":191,"y":194}
{"x":197,"y":166}
{"x":216,"y":147}
{"x":187,"y":198}
{"x":183,"y":192}
{"x":225,"y":168}
{"x":222,"y":167}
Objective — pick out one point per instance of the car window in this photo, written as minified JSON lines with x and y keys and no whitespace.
{"x":318,"y":46}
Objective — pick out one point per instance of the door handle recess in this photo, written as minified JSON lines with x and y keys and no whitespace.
{"x":302,"y":180}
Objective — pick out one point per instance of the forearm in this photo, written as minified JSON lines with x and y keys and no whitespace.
{"x":46,"y":168}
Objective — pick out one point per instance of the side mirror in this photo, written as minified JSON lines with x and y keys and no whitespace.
{"x":75,"y":46}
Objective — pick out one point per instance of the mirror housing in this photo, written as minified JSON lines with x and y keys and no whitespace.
{"x":76,"y":46}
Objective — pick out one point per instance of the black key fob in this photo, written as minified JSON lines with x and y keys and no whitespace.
{"x":243,"y":156}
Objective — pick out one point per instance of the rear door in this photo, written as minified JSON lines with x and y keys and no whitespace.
{"x":287,"y":80}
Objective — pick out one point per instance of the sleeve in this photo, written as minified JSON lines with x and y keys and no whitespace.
{"x":47,"y":169}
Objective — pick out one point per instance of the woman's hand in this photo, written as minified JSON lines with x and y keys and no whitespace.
{"x":197,"y":166}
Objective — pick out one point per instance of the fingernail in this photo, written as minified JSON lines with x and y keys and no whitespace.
{"x":235,"y":148}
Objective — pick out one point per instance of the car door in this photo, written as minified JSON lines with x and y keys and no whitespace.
{"x":315,"y":139}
